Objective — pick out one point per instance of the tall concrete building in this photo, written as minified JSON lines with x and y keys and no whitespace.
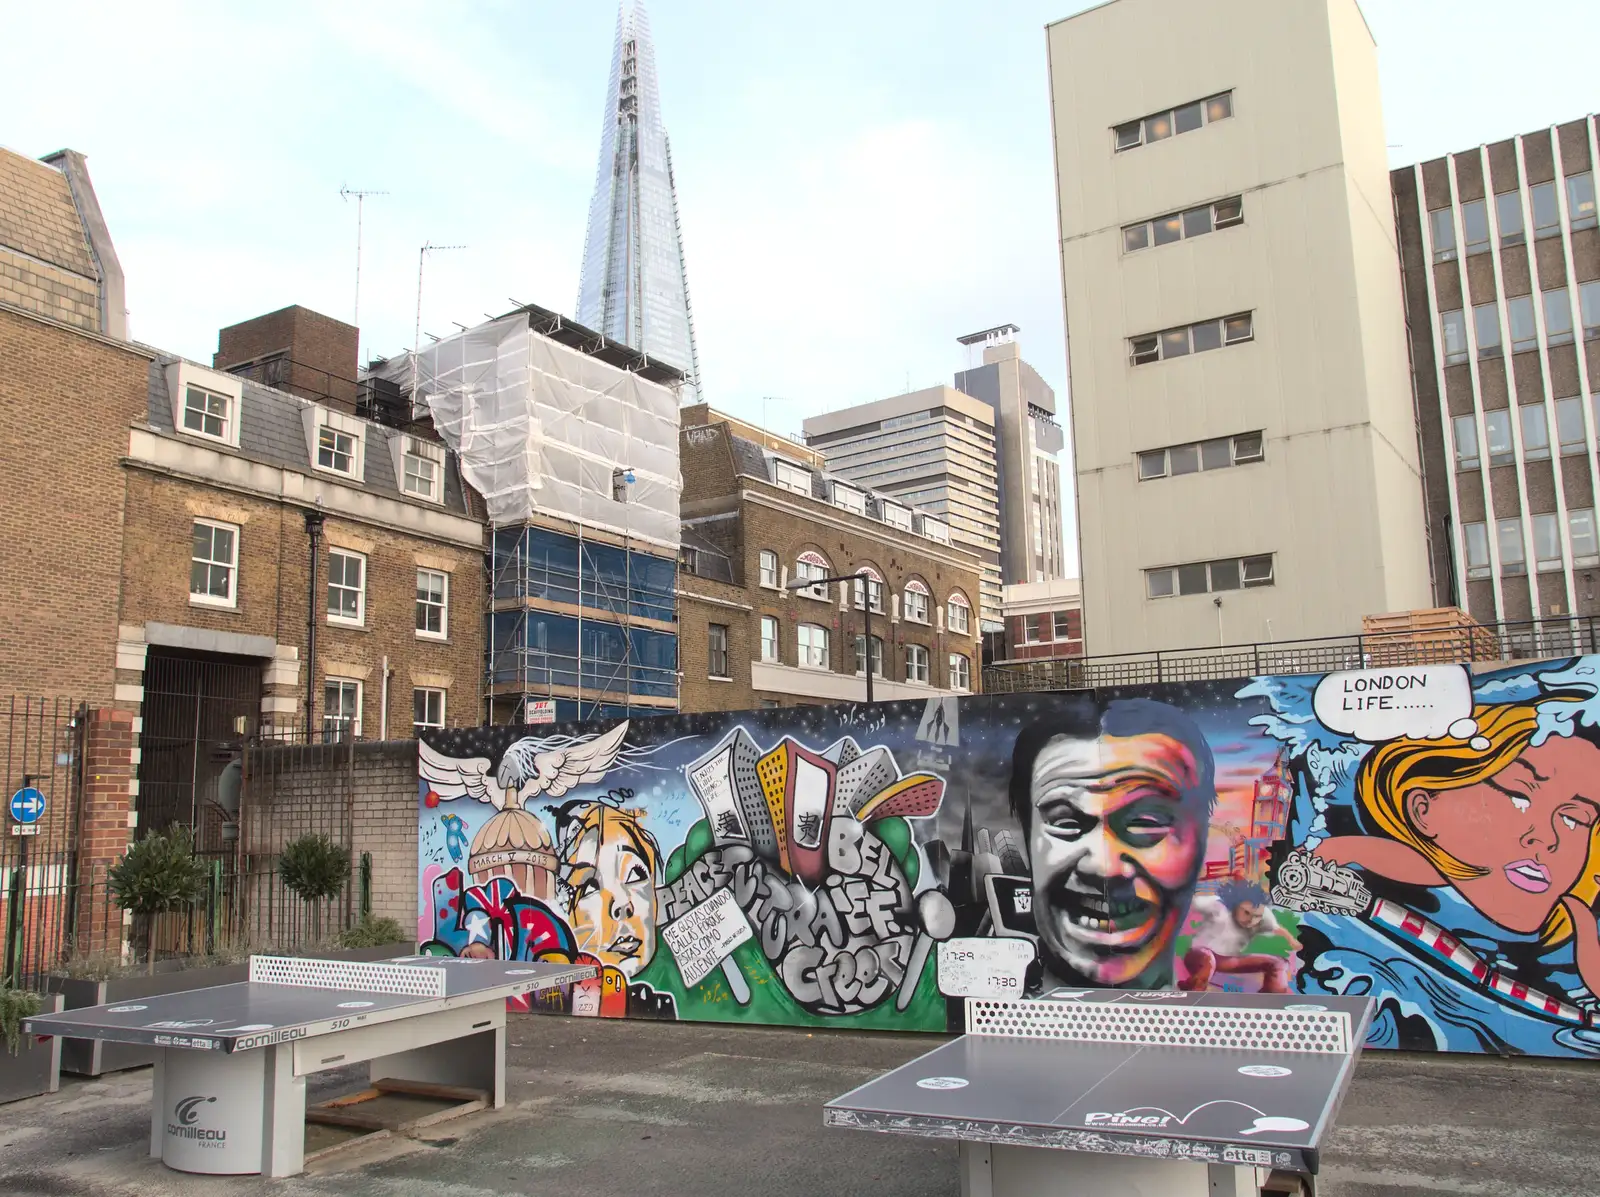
{"x":1245,"y":449}
{"x":935,"y":449}
{"x":1027,"y":441}
{"x":1501,"y":251}
{"x":634,"y":288}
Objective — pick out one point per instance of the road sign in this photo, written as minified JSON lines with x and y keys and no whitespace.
{"x":539,"y":710}
{"x":27,"y":805}
{"x":24,"y":829}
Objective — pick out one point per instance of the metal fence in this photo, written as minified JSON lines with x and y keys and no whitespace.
{"x":1483,"y":644}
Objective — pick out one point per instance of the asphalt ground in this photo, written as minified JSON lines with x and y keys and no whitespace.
{"x":650,"y":1108}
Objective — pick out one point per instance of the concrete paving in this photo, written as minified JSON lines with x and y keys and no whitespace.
{"x":648,"y":1109}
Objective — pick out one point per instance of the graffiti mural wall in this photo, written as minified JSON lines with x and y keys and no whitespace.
{"x":1420,"y":835}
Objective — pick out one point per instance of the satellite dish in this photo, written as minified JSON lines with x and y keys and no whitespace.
{"x":229,"y":786}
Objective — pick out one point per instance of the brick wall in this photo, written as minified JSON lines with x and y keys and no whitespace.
{"x":107,"y":771}
{"x":68,"y":400}
{"x":273,"y":555}
{"x":321,"y":353}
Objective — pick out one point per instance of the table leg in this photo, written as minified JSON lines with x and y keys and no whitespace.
{"x":977,"y":1179}
{"x":1230,"y":1180}
{"x":283,"y":1115}
{"x":158,"y":1104}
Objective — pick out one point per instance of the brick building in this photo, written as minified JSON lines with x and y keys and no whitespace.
{"x":1044,"y":620}
{"x":757,"y":516}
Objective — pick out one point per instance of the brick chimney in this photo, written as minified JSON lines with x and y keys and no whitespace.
{"x":296,"y":350}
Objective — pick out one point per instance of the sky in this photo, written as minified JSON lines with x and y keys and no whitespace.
{"x":858,"y":184}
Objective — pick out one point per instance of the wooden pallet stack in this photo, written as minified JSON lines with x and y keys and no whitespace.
{"x":1432,"y":636}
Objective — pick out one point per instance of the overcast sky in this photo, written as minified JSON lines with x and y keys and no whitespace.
{"x":859,"y":183}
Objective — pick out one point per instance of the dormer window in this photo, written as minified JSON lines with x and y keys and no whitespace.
{"x":336,"y":450}
{"x":206,"y":413}
{"x":897,"y":516}
{"x":336,"y":442}
{"x":849,"y":498}
{"x":420,"y":469}
{"x":205,"y":403}
{"x":792,"y":478}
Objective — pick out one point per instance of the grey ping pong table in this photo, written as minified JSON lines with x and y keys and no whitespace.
{"x":231,"y":1061}
{"x":1126,"y":1093}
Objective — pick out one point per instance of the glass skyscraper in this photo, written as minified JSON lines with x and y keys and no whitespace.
{"x":634,"y":288}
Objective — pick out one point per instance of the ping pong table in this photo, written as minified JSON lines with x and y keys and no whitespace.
{"x":229,"y":1093}
{"x":1139,"y":1093}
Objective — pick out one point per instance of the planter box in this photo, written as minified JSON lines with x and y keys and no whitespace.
{"x":36,"y":1068}
{"x":91,"y":1057}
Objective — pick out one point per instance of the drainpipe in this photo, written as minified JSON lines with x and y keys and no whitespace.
{"x":314,"y":539}
{"x":383,"y":703}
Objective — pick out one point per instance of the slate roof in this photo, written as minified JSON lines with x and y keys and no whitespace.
{"x":751,"y":460}
{"x":272,"y":432}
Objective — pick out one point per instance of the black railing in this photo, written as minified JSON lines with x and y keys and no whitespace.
{"x":1527,"y":640}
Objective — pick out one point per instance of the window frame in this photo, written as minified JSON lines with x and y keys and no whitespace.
{"x":226,"y":419}
{"x":1565,"y":407}
{"x":412,"y":448}
{"x":328,"y":719}
{"x":920,"y":592}
{"x":1465,"y":460}
{"x":960,"y":668}
{"x":1591,"y":537}
{"x":231,"y":602}
{"x":804,"y":652}
{"x":1133,"y":134}
{"x":443,"y":605}
{"x":1482,"y":322}
{"x":1557,"y":301}
{"x":326,"y":427}
{"x":1509,"y":202}
{"x":1471,"y":246}
{"x":714,"y":632}
{"x":1498,"y":457}
{"x":359,"y":619}
{"x":771,"y":646}
{"x":1145,"y":232}
{"x":1542,"y":232}
{"x":1529,"y":339}
{"x":1454,"y":357}
{"x":792,"y":478}
{"x":1546,"y":526}
{"x":1508,"y":532}
{"x":958,"y":602}
{"x":1534,"y":428}
{"x":817,"y":592}
{"x":764,"y":559}
{"x":1436,"y":225}
{"x":917,"y":664}
{"x":419,"y":692}
{"x":1589,"y":309}
{"x":1577,"y":219}
{"x":877,"y":660}
{"x":1475,"y":557}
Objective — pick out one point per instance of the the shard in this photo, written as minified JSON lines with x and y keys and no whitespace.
{"x":634,"y":288}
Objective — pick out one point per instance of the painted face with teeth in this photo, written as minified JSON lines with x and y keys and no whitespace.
{"x":1117,"y":837}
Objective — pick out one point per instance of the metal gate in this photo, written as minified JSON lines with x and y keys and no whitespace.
{"x":41,"y":752}
{"x":199,"y":710}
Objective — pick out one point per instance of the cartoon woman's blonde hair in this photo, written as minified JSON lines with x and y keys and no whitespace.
{"x":575,"y":819}
{"x":1396,"y":768}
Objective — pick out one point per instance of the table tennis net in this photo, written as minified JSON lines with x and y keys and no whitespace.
{"x":348,"y":975}
{"x":1153,"y":1024}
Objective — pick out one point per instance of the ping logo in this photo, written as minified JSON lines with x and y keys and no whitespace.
{"x":1128,"y":1121}
{"x":186,"y":1119}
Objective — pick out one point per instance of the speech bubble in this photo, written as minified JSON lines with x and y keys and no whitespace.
{"x":1263,"y":1125}
{"x":1423,"y":702}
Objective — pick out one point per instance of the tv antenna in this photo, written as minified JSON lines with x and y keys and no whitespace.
{"x":360,"y":196}
{"x":428,"y":247}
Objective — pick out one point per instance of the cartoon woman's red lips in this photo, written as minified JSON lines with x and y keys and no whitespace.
{"x":1528,"y":875}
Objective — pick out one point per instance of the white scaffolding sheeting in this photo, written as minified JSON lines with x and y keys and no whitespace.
{"x":542,"y":429}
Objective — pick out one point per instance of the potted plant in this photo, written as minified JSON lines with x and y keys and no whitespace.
{"x":158,"y":875}
{"x":314,"y":869}
{"x":28,"y":1066}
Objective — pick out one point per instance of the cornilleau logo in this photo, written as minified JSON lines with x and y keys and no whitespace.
{"x":186,"y":1114}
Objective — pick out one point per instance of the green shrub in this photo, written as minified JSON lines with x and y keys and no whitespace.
{"x":157,"y":875}
{"x":372,"y":933}
{"x":15,"y":1005}
{"x":314,"y":868}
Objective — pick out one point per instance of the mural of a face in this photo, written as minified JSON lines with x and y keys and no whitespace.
{"x":1116,"y":838}
{"x":608,"y":879}
{"x":1524,"y":833}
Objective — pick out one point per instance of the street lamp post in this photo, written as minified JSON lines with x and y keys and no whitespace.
{"x":866,"y":606}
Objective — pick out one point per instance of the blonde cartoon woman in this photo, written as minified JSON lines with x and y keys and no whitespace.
{"x":1510,"y":826}
{"x":606,"y":882}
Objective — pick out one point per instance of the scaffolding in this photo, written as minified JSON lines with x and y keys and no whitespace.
{"x":572,"y":440}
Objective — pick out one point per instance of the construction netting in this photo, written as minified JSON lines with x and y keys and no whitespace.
{"x":542,"y":429}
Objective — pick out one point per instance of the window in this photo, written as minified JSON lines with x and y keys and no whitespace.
{"x":810,"y":568}
{"x":421,"y":469}
{"x":1524,"y":335}
{"x":207,"y":413}
{"x":1558,"y":316}
{"x":1508,"y":215}
{"x":1546,"y":220}
{"x":877,"y":656}
{"x":717,"y":650}
{"x":214,"y":564}
{"x":868,"y":589}
{"x":1475,"y":224}
{"x":1204,"y":577}
{"x":1508,"y":535}
{"x":1466,"y":438}
{"x":1063,"y":625}
{"x":336,"y":450}
{"x":813,"y":644}
{"x":1191,"y":338}
{"x":791,"y":478}
{"x":916,"y":664}
{"x":1442,"y":230}
{"x":1159,"y":126}
{"x":433,"y":601}
{"x":1215,"y":454}
{"x":341,"y":708}
{"x":849,"y":498}
{"x":1546,"y":542}
{"x":427,"y":707}
{"x":914,"y":602}
{"x":769,"y":638}
{"x":1453,"y":326}
{"x":895,"y":515}
{"x":768,"y":567}
{"x":1486,"y":324}
{"x":1497,"y":431}
{"x":1030,"y":629}
{"x":1175,"y":226}
{"x":1535,"y":432}
{"x":346,"y":594}
{"x":958,"y":614}
{"x":1580,"y":200}
{"x":1585,"y":544}
{"x":1569,"y":424}
{"x":1477,"y":538}
{"x":960,"y":672}
{"x":1589,"y":309}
